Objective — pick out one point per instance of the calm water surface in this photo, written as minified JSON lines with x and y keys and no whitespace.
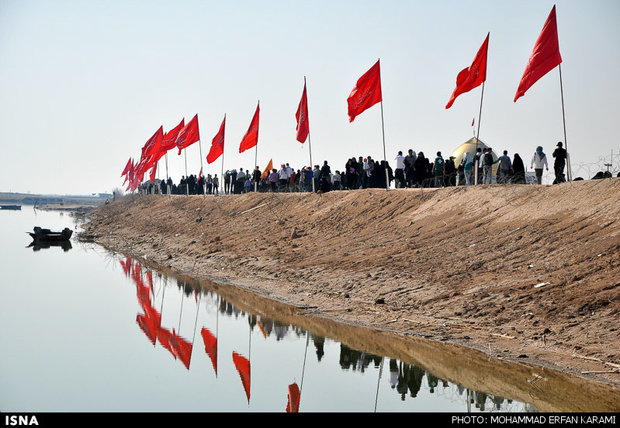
{"x":87,"y":330}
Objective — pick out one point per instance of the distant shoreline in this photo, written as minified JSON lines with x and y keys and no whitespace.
{"x":55,"y":201}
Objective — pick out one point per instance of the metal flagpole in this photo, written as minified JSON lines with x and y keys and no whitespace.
{"x":256,"y":155}
{"x":568,"y":170}
{"x":478,"y":135}
{"x":387,"y":177}
{"x":204,"y":187}
{"x":221,"y":180}
{"x":309,"y":142}
{"x":186,"y":177}
{"x":167,"y":187}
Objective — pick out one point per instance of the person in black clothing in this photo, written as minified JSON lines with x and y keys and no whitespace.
{"x":450,"y":172}
{"x":421,"y":166}
{"x":560,"y":160}
{"x":325,"y":178}
{"x":518,"y":170}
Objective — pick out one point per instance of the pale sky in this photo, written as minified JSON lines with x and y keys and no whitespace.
{"x":84,"y":84}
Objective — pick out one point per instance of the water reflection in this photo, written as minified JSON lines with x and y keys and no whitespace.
{"x":405,"y":380}
{"x":38,"y":245}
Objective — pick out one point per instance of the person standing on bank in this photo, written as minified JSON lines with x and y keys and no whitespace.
{"x":558,"y":165}
{"x":539,"y":161}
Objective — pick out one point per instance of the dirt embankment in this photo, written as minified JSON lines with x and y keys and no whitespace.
{"x":531,"y":273}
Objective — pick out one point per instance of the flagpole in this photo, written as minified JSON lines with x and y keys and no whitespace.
{"x":256,"y":155}
{"x":568,"y":170}
{"x":221,"y":180}
{"x":387,"y":177}
{"x":309,"y":142}
{"x":478,"y":133}
{"x":186,"y":177}
{"x":167,"y":187}
{"x":204,"y":187}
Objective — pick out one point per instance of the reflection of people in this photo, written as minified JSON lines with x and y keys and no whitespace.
{"x":539,"y":161}
{"x":558,"y":165}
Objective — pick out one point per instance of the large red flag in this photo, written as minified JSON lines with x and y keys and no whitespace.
{"x":472,"y":76}
{"x":367,"y":92}
{"x":217,"y":145}
{"x":303,"y":128}
{"x":250,"y":139}
{"x":188,"y":135}
{"x":170,"y":137}
{"x":545,"y":56}
{"x":242,"y":365}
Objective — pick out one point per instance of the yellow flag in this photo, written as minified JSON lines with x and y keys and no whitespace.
{"x":267,"y":169}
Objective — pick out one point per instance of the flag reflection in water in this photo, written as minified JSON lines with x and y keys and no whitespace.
{"x":405,"y":380}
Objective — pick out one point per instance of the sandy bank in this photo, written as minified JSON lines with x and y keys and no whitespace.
{"x":525,"y":273}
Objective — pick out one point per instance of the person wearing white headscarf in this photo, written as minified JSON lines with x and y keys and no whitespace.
{"x":539,"y":161}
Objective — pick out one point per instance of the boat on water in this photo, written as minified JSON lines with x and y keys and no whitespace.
{"x":46,"y":235}
{"x":10,"y":207}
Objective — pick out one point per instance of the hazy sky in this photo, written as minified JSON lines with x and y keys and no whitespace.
{"x":84,"y":84}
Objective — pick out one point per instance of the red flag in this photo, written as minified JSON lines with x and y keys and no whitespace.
{"x":545,"y":56}
{"x":250,"y":139}
{"x":242,"y":365}
{"x":210,"y":346}
{"x":292,"y":406}
{"x":188,"y":135}
{"x":367,"y":92}
{"x":149,"y":150}
{"x":171,"y":137}
{"x":126,"y":170}
{"x":303,"y":128}
{"x":217,"y":145}
{"x":472,"y":76}
{"x":153,"y":144}
{"x":129,"y":173}
{"x":153,"y":172}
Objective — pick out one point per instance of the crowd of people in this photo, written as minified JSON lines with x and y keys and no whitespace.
{"x":410,"y":171}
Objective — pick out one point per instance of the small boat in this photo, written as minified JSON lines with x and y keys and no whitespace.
{"x":47,"y":235}
{"x":10,"y":207}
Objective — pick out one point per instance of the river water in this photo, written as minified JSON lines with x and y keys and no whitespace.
{"x":86,"y":330}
